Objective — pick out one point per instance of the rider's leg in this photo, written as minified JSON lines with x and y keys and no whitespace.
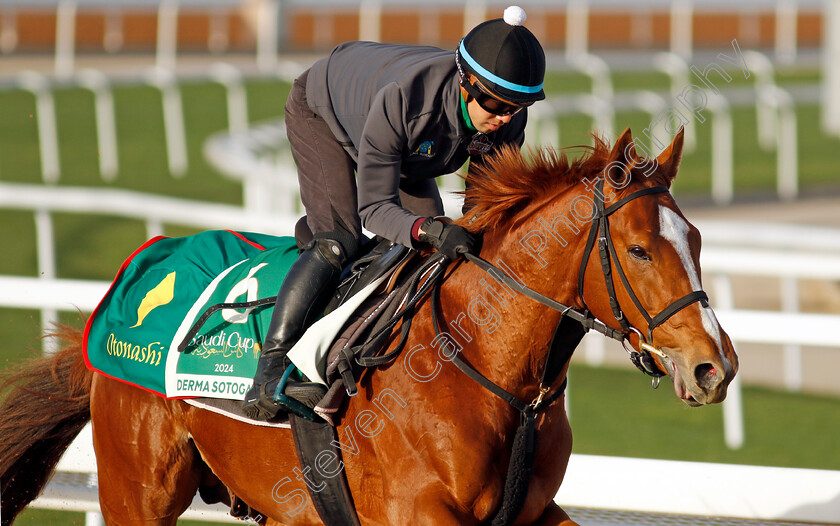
{"x":326,"y":175}
{"x":302,"y":297}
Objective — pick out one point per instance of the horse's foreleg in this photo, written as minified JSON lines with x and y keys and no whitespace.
{"x":554,"y":516}
{"x":146,"y":463}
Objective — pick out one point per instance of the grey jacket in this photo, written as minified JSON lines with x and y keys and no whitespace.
{"x":396,"y":110}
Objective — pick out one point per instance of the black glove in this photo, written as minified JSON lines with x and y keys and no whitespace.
{"x":450,"y":240}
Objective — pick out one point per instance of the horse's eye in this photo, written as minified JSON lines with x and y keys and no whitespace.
{"x":638,"y":252}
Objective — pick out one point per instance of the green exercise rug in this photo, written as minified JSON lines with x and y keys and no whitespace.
{"x":160,"y":292}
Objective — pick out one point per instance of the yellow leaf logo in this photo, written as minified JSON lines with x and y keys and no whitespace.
{"x":158,"y":296}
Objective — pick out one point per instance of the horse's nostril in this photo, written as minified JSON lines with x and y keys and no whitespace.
{"x":706,"y":375}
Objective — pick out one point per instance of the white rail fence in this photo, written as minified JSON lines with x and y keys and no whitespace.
{"x":102,"y":86}
{"x":689,"y":99}
{"x":775,"y":114}
{"x":703,"y":489}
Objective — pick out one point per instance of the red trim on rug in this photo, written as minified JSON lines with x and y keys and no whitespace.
{"x":132,"y":384}
{"x":89,"y":321}
{"x":245,"y":239}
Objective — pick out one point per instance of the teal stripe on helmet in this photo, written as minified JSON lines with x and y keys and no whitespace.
{"x":499,"y":81}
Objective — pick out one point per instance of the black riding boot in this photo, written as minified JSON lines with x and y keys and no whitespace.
{"x":301,"y":298}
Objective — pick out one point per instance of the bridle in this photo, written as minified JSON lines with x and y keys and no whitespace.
{"x":600,"y":231}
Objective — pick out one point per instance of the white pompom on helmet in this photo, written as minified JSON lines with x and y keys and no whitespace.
{"x":506,"y":58}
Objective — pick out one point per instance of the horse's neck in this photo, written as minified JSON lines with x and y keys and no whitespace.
{"x":512,"y":331}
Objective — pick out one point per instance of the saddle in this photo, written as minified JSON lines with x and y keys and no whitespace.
{"x":383,"y":257}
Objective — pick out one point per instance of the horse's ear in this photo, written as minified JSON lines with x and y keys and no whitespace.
{"x":623,"y":149}
{"x":669,"y":159}
{"x":621,"y":160}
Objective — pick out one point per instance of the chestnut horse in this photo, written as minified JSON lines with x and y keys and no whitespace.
{"x":424,"y":444}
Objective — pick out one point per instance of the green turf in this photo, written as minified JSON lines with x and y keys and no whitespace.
{"x":613,"y":412}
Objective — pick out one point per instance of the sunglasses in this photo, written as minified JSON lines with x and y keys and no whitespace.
{"x":490,"y":103}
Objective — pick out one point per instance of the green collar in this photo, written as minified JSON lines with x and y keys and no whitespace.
{"x":466,"y":115}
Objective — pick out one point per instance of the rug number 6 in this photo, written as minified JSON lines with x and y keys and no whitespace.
{"x":248,"y":286}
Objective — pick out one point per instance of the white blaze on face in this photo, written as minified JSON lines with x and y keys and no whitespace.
{"x":675,"y":229}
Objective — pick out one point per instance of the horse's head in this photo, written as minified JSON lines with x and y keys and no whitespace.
{"x":603,"y":233}
{"x":655,"y":268}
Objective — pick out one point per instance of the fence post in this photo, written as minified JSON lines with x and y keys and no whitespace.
{"x":830,"y":71}
{"x":218,"y":37}
{"x":682,"y":28}
{"x":65,"y":38}
{"x":37,"y":84}
{"x":475,"y":12}
{"x":370,"y":20}
{"x":542,"y":128}
{"x":597,"y":69}
{"x":112,"y":41}
{"x":787,"y":156}
{"x":765,"y":110}
{"x":577,"y":28}
{"x":93,"y":518}
{"x":429,"y":22}
{"x":173,"y":120}
{"x":722,"y":181}
{"x":677,"y":70}
{"x":786,"y":31}
{"x":653,"y":104}
{"x":792,"y":353}
{"x":237,"y":102}
{"x":167,"y":34}
{"x":267,"y":34}
{"x":154,"y":227}
{"x":9,"y":36}
{"x":733,"y":406}
{"x":46,"y":269}
{"x":641,"y":26}
{"x":106,"y":125}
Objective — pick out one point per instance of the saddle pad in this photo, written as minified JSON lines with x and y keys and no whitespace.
{"x":160,"y":292}
{"x":233,"y":409}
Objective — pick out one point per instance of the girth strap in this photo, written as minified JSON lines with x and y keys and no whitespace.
{"x":330,"y":494}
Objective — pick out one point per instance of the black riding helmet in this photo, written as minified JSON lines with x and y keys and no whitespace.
{"x":506,"y":58}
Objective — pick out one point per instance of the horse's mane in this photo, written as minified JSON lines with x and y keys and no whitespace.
{"x":508,"y":180}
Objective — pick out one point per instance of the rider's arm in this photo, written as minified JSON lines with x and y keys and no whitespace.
{"x":381,"y":151}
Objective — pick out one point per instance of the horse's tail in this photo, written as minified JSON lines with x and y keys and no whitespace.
{"x":46,"y":405}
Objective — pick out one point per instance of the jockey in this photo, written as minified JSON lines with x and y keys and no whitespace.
{"x":370,"y":127}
